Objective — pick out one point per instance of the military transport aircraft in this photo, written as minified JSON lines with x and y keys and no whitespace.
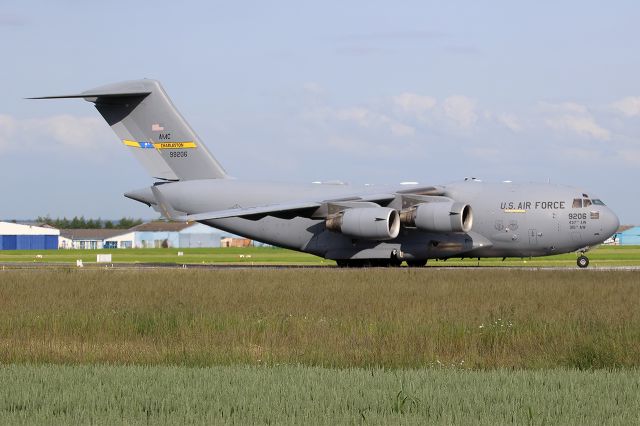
{"x":356,"y":226}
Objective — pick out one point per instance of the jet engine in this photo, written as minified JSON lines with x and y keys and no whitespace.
{"x":374,"y":223}
{"x":444,"y":216}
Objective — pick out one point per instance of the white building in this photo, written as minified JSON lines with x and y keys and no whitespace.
{"x":156,"y":234}
{"x":126,"y":239}
{"x":87,"y":238}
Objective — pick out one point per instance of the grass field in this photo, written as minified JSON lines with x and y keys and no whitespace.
{"x":311,"y":395}
{"x":310,"y":346}
{"x":600,"y":256}
{"x":356,"y":318}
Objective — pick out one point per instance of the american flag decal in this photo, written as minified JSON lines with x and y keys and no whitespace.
{"x":157,"y":127}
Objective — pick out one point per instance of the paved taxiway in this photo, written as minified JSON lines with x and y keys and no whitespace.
{"x":6,"y":266}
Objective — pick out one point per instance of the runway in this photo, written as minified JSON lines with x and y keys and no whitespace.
{"x":8,"y":266}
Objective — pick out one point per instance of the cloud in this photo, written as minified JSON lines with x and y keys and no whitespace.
{"x":362,"y":117}
{"x":370,"y":119}
{"x":313,"y":88}
{"x":68,"y":131}
{"x":461,"y":110}
{"x":581,"y":125}
{"x":573,"y":118}
{"x":349,"y":145}
{"x":420,"y":124}
{"x":563,"y":107}
{"x":630,"y":156}
{"x":510,"y":121}
{"x":629,"y":106}
{"x":414,"y":104}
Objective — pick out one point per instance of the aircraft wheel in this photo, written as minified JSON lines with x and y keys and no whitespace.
{"x":342,"y":263}
{"x":416,"y":263}
{"x":396,"y":263}
{"x":582,"y":261}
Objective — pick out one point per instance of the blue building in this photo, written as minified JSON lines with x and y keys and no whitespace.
{"x":15,"y":236}
{"x":629,"y":237}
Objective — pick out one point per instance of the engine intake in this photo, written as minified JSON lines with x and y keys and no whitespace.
{"x":375,"y":223}
{"x":445,"y":216}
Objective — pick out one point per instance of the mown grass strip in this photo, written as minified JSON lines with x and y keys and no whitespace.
{"x":600,"y":256}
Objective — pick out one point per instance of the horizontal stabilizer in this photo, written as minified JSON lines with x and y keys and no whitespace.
{"x":91,"y":94}
{"x":124,"y":89}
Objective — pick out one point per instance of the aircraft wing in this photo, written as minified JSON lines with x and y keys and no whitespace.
{"x":290,"y":209}
{"x":267,"y":210}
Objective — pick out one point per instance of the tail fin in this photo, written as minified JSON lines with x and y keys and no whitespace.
{"x":146,"y":121}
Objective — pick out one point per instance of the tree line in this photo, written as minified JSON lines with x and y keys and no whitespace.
{"x":82,"y":223}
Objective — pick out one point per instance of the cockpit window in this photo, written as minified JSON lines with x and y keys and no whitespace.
{"x":586,"y":202}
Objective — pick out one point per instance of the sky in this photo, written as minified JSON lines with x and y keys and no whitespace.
{"x":371,"y":92}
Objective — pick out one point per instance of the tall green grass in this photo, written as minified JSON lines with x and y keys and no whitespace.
{"x":311,"y":395}
{"x":357,"y":318}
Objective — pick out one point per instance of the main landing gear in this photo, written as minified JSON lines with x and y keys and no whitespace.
{"x":582,"y":261}
{"x":377,"y":263}
{"x":368,"y":263}
{"x":394,"y":260}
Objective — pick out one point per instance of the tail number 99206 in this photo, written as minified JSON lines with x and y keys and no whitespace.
{"x":178,"y":154}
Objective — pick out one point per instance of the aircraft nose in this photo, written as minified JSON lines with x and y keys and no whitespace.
{"x":612,"y":223}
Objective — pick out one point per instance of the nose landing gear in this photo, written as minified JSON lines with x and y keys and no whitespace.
{"x":582,"y":261}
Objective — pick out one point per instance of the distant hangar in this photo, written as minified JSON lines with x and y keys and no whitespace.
{"x":15,"y":236}
{"x":156,"y":234}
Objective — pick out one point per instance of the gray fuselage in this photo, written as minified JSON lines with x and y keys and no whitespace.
{"x":509,"y":219}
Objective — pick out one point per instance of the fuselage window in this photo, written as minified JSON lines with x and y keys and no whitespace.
{"x":598,"y":202}
{"x":587,"y":202}
{"x":577,"y":203}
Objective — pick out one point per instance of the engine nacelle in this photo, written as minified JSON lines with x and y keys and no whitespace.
{"x":372,"y":223}
{"x":445,"y":216}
